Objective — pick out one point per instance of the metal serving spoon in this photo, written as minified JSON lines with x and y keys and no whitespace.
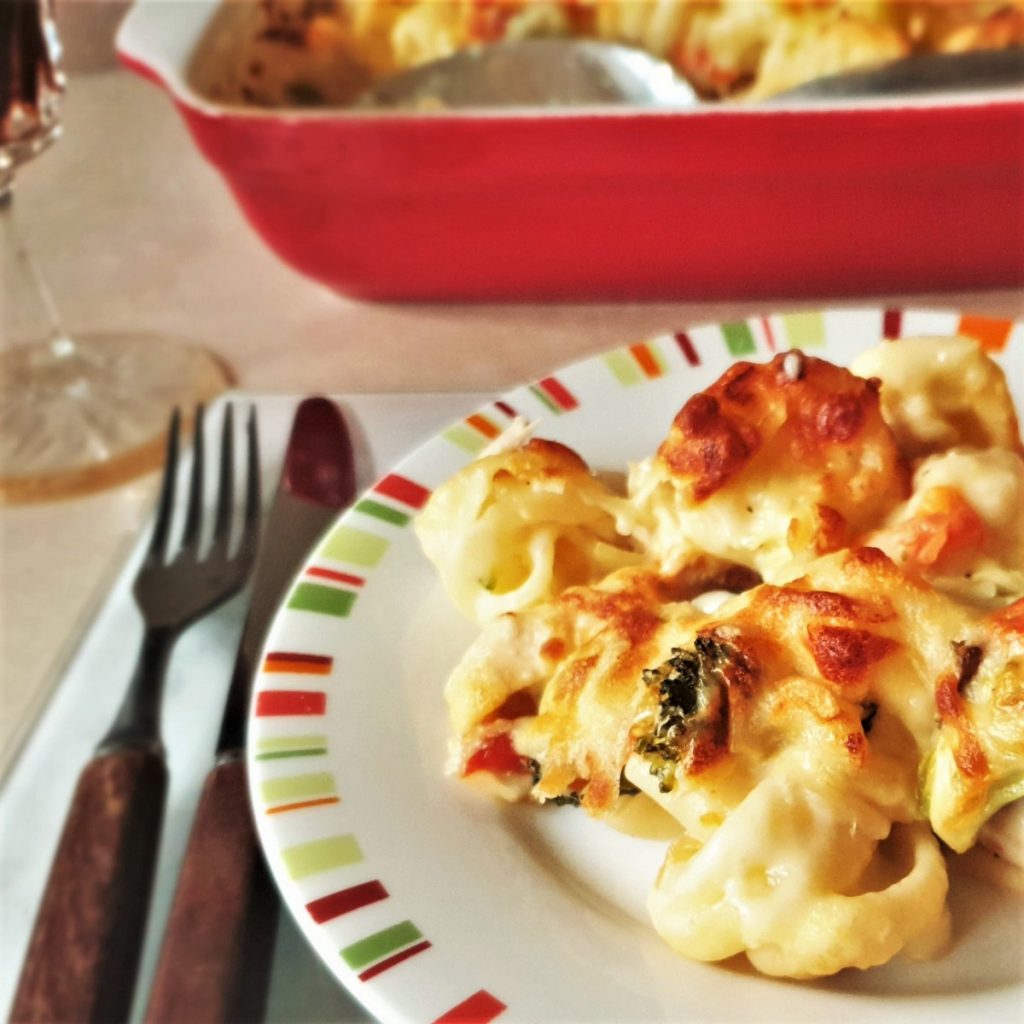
{"x":581,"y":72}
{"x":534,"y":73}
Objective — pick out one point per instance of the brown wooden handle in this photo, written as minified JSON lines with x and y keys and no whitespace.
{"x":215,"y":961}
{"x":84,"y":951}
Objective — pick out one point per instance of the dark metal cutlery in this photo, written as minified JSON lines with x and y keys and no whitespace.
{"x":84,"y":950}
{"x":214,"y":965}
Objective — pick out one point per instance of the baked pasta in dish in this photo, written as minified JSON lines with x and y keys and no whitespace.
{"x":848,"y":708}
{"x":311,"y":52}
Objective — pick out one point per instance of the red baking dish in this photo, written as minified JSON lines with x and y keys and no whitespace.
{"x":857,"y":197}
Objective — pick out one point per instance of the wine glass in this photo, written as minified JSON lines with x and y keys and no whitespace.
{"x":78,"y":412}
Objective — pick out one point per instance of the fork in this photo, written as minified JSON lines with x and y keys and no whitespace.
{"x":84,"y":951}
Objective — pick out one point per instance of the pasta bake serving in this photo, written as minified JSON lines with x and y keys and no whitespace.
{"x":789,"y":643}
{"x":311,"y":52}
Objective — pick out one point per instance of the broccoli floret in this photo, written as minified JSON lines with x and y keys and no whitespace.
{"x":692,"y":708}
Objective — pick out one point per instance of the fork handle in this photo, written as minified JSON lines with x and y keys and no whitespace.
{"x":215,"y":960}
{"x":85,"y":945}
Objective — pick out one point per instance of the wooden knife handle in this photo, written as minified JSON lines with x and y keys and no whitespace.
{"x":215,"y":962}
{"x":84,"y":951}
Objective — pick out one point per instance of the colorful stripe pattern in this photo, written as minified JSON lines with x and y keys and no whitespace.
{"x":892,"y":324}
{"x":554,"y":395}
{"x":297,"y":664}
{"x":739,"y":339}
{"x":290,"y":703}
{"x":320,"y":855}
{"x":686,"y":346}
{"x":345,"y":901}
{"x":385,"y":949}
{"x":804,"y":330}
{"x":635,"y":364}
{"x":477,"y":430}
{"x":479,"y":1008}
{"x":993,"y":334}
{"x":297,"y":792}
{"x":372,"y":954}
{"x":343,"y":562}
{"x":274,"y":748}
{"x":391,"y":502}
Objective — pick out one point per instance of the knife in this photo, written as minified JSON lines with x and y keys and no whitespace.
{"x":214,"y":964}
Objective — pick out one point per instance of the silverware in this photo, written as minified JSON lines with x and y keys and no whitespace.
{"x":920,"y":74}
{"x":535,"y":72}
{"x":215,"y":962}
{"x":568,"y":72}
{"x":84,"y":951}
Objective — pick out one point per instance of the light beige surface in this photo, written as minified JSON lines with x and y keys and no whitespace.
{"x":135,"y":232}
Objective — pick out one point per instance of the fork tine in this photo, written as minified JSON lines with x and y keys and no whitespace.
{"x":226,"y":486}
{"x":165,"y":508}
{"x":252,"y":486}
{"x":190,"y":536}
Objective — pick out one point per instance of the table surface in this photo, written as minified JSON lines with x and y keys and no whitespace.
{"x":135,"y":232}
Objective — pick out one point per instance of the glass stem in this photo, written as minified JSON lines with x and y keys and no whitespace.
{"x":28,"y":311}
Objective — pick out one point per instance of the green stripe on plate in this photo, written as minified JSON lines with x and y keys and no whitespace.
{"x":380,"y":944}
{"x":369,"y":507}
{"x":805,"y":330}
{"x":298,"y":787}
{"x":320,"y":855}
{"x":274,"y":755}
{"x":287,"y":743}
{"x":313,"y":597}
{"x":738,"y":338}
{"x":465,"y":438}
{"x":624,"y":367}
{"x":543,"y":398}
{"x":347,"y":544}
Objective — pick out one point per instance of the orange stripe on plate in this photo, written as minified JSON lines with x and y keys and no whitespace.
{"x":484,"y":426}
{"x":993,"y":334}
{"x":304,"y":803}
{"x":305,"y":668}
{"x":645,"y":359}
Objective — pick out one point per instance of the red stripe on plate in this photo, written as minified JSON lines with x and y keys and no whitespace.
{"x":559,"y":392}
{"x":337,"y":577}
{"x":274,"y":703}
{"x":385,"y":965}
{"x":479,"y":1008}
{"x":686,"y":346}
{"x":892,"y":324}
{"x":404,"y":490}
{"x":326,"y":908}
{"x":506,"y":409}
{"x":769,"y":335}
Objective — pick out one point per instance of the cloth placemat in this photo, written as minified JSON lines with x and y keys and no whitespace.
{"x":37,"y":791}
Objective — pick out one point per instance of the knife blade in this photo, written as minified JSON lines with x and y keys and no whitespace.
{"x":214,"y":963}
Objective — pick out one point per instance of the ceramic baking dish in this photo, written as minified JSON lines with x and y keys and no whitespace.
{"x":722,"y":201}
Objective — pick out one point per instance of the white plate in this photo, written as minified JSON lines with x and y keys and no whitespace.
{"x":429,"y":901}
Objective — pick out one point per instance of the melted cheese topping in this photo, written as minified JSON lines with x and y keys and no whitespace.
{"x":804,"y":744}
{"x":941,"y":392}
{"x":518,"y":526}
{"x":717,"y":483}
{"x":963,"y":526}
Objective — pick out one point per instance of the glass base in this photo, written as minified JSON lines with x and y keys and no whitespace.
{"x":83,"y":414}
